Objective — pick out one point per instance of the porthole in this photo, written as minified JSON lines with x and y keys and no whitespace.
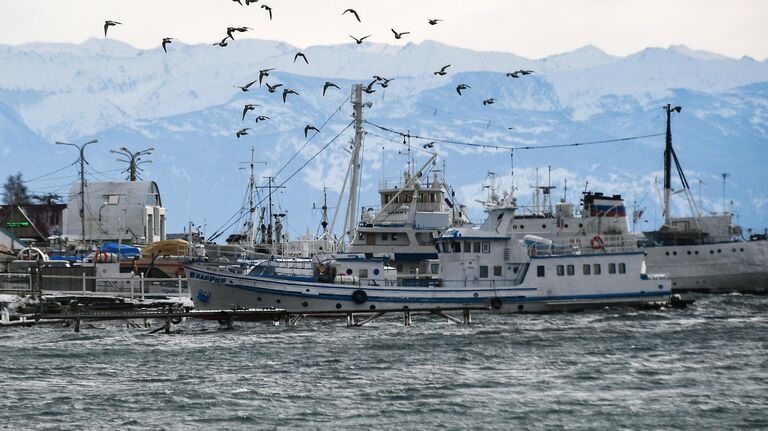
{"x":258,"y":298}
{"x":741,"y":249}
{"x":475,"y":294}
{"x":522,"y":226}
{"x":667,"y":253}
{"x":372,"y":307}
{"x":734,"y":250}
{"x":338,"y":306}
{"x":711,"y":252}
{"x":543,"y":226}
{"x":307,"y":290}
{"x":305,"y":304}
{"x":376,"y":271}
{"x":278,"y":301}
{"x":719,"y":251}
{"x":520,"y":307}
{"x":674,"y":253}
{"x":688,"y":252}
{"x":581,"y":225}
{"x":566,"y":225}
{"x":696,"y":252}
{"x":349,"y":271}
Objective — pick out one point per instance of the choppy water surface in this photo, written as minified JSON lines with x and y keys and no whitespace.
{"x":701,"y":368}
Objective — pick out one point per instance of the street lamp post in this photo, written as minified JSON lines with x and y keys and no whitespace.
{"x":132,"y":159}
{"x":81,"y":149}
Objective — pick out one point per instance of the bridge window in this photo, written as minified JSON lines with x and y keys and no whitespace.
{"x":611,"y":268}
{"x":570,"y":270}
{"x":560,"y":270}
{"x":587,"y":269}
{"x":540,"y":271}
{"x":434,"y":268}
{"x":483,"y":271}
{"x":497,"y":271}
{"x":394,"y":237}
{"x":622,"y":268}
{"x":384,"y":236}
{"x":596,"y":269}
{"x":476,"y":247}
{"x":467,"y":247}
{"x":455,"y":247}
{"x":486,"y":247}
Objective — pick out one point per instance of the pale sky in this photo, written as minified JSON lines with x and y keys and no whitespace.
{"x":531,"y":28}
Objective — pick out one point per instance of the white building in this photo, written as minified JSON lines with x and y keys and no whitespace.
{"x":128,"y":211}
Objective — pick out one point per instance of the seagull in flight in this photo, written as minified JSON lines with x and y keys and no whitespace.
{"x":223,"y":42}
{"x":442,"y":71}
{"x":108,"y":24}
{"x":261,"y":118}
{"x":309,"y":127}
{"x":288,"y":91}
{"x":461,"y":87}
{"x":489,"y":101}
{"x":166,"y":41}
{"x":263,"y":73}
{"x":359,"y":41}
{"x":242,"y":132}
{"x":268,"y":9}
{"x":429,"y":145}
{"x":249,"y":107}
{"x":353,"y":12}
{"x":513,"y":74}
{"x":272,"y":88}
{"x":300,"y":54}
{"x":399,"y":35}
{"x":328,"y":84}
{"x":431,"y":21}
{"x":245,"y":87}
{"x":233,"y":29}
{"x":384,"y":82}
{"x":369,"y":89}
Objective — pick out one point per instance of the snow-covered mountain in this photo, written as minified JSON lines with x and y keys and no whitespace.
{"x":183,"y":104}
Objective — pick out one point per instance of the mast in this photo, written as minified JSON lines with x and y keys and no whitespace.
{"x":668,"y":152}
{"x":357,"y":143}
{"x":251,"y":209}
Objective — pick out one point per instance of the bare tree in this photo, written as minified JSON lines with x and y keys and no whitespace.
{"x":15,"y":191}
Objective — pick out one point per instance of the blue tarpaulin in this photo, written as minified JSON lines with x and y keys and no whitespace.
{"x":120,"y":249}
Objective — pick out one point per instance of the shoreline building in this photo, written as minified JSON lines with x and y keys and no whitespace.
{"x":116,"y":211}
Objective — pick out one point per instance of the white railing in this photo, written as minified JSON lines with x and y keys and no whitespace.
{"x":131,"y":286}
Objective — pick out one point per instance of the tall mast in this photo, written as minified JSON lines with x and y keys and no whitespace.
{"x":251,"y":209}
{"x":357,"y":143}
{"x":668,"y":167}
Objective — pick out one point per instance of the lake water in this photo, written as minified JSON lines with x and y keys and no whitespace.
{"x":701,"y":368}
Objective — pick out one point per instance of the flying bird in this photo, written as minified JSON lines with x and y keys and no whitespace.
{"x":108,"y":24}
{"x":245,"y":87}
{"x":233,"y":29}
{"x":399,"y":35}
{"x":261,"y":118}
{"x":238,"y":1}
{"x":300,"y":54}
{"x":309,"y":127}
{"x":369,"y":89}
{"x":166,"y":41}
{"x":263,"y":73}
{"x":489,"y":101}
{"x":272,"y":88}
{"x":359,"y":41}
{"x":328,"y":84}
{"x":353,"y":12}
{"x":248,"y":2}
{"x":223,"y":42}
{"x":384,"y":82}
{"x":442,"y":71}
{"x":525,"y":72}
{"x":243,"y":132}
{"x":513,"y":74}
{"x":429,"y":145}
{"x":461,"y":87}
{"x":249,"y":107}
{"x":288,"y":91}
{"x":431,"y":21}
{"x":268,"y":9}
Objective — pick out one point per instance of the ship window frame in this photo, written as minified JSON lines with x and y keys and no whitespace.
{"x":385,"y":236}
{"x":560,"y":270}
{"x":467,"y":248}
{"x":596,"y":269}
{"x":497,"y":271}
{"x":362,"y":273}
{"x":455,"y":247}
{"x":476,"y":246}
{"x":611,"y":268}
{"x":486,"y":247}
{"x":570,"y":270}
{"x":586,"y":269}
{"x":483,"y":271}
{"x":622,"y":268}
{"x":540,"y":271}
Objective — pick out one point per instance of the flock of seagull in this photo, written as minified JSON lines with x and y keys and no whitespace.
{"x":272,"y":88}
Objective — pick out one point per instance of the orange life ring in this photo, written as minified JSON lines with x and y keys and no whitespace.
{"x":597,"y":242}
{"x":101,"y":257}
